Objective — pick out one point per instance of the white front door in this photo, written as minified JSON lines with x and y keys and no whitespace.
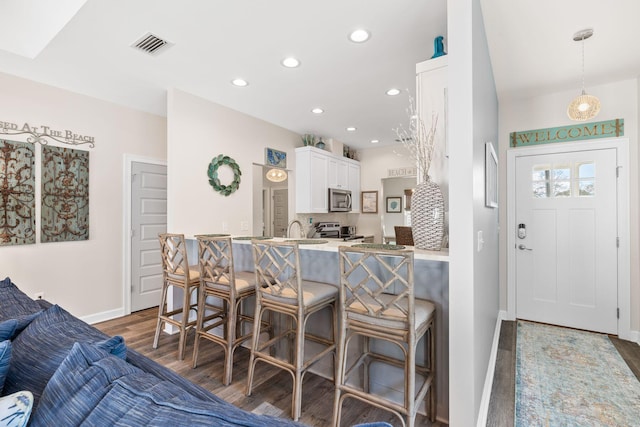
{"x":148,"y":219}
{"x":566,"y":244}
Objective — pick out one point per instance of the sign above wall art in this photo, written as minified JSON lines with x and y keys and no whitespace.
{"x":39,"y":134}
{"x":578,"y":132}
{"x":400,"y":172}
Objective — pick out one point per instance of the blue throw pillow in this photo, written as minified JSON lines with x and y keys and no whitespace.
{"x":10,"y":328}
{"x":15,"y":409}
{"x":14,"y":302}
{"x":5,"y":359}
{"x":92,"y":387}
{"x":42,"y":346}
{"x":80,"y":382}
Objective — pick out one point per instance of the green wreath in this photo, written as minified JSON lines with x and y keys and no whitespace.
{"x":212,"y":172}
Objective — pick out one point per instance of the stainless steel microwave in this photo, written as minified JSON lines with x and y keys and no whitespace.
{"x":339,"y":200}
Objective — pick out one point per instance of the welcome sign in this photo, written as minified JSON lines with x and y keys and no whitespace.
{"x":593,"y":130}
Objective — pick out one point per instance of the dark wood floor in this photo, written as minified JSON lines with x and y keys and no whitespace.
{"x":272,"y":387}
{"x":502,"y":403}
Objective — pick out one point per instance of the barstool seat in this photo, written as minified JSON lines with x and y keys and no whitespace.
{"x":280,"y":289}
{"x":221,"y":294}
{"x":377,"y":301}
{"x":177,"y":273}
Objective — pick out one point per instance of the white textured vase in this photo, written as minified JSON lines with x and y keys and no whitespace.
{"x":427,"y":216}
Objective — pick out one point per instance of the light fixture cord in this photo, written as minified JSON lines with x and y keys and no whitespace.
{"x":583,"y":64}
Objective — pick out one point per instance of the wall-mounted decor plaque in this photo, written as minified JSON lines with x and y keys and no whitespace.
{"x":65,"y":194}
{"x":17,"y":193}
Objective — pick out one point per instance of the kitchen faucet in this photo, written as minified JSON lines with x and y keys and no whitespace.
{"x":294,"y":221}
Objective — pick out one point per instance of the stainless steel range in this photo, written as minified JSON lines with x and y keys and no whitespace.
{"x":327,"y":229}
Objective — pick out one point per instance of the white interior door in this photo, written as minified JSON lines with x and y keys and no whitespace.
{"x":148,"y":219}
{"x":566,"y":249}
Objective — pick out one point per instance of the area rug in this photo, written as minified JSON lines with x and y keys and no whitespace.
{"x":566,"y":377}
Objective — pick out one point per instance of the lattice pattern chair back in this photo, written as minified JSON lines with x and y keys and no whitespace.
{"x":174,"y":256}
{"x":216,"y":262}
{"x":277,"y":270}
{"x":378,"y":284}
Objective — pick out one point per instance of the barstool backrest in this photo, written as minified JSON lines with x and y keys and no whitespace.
{"x":277,"y":266}
{"x":376,"y":286}
{"x":215,"y":259}
{"x":404,"y":235}
{"x":173,"y":249}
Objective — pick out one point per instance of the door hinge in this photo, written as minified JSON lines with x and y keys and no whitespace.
{"x":618,"y":171}
{"x":617,"y":242}
{"x":618,"y":312}
{"x":132,"y":233}
{"x":133,"y":177}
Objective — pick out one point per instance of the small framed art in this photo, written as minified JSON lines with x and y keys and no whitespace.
{"x":394,"y":204}
{"x":369,"y":201}
{"x":490,"y":176}
{"x":273,"y":157}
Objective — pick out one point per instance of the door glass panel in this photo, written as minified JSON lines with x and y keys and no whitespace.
{"x":587,"y":188}
{"x":540,"y":190}
{"x":587,"y":170}
{"x":561,"y":172}
{"x":562,"y":189}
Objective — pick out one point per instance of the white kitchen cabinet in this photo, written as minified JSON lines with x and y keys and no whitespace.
{"x":317,"y":171}
{"x":353,"y":177}
{"x":338,"y":173}
{"x":431,"y":99}
{"x":311,"y":180}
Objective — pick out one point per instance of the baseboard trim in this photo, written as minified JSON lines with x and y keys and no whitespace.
{"x":488,"y":381}
{"x":105,"y":315}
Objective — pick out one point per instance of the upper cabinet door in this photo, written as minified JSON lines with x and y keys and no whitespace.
{"x":354,"y":185}
{"x":337,"y":173}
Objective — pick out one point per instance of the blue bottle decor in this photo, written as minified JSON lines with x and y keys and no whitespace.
{"x":438,"y":47}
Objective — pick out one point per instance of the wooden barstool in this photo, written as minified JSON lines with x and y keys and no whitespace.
{"x":377,"y":301}
{"x":280,"y":289}
{"x":404,"y":235}
{"x":177,"y":273}
{"x":222,"y":291}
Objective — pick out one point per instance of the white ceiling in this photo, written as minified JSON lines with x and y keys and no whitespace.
{"x":214,"y":42}
{"x":532,"y":48}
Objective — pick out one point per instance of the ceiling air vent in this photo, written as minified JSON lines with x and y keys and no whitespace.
{"x":151,"y":44}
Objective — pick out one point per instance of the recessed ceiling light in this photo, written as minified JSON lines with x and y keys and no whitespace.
{"x":239,"y":82}
{"x":317,"y":111}
{"x":290,"y":62}
{"x":351,"y":129}
{"x":359,"y":36}
{"x":374,"y":141}
{"x":393,"y":92}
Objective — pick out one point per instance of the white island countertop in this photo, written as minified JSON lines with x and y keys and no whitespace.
{"x":332,"y":246}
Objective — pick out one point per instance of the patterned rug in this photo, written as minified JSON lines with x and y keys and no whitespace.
{"x":566,"y":377}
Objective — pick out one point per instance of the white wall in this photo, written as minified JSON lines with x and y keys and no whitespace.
{"x":83,"y":277}
{"x":374,"y":165}
{"x":473,"y":277}
{"x":618,"y":100}
{"x":197,"y":131}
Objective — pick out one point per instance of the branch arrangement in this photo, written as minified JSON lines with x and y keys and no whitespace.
{"x":419,"y":142}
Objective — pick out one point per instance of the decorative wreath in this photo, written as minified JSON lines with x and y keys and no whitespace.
{"x":212,"y":172}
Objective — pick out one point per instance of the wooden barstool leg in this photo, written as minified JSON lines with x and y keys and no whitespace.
{"x":255,"y":339}
{"x":161,"y":312}
{"x":199,"y":324}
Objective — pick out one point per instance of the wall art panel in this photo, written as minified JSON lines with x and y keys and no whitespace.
{"x":65,"y":194}
{"x":17,"y":193}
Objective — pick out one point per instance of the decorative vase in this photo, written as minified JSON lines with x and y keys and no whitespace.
{"x":427,"y":216}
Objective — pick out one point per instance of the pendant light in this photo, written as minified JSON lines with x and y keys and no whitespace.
{"x":584,"y":106}
{"x":276,"y":175}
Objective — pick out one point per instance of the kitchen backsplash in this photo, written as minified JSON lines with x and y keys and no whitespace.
{"x":343,"y":218}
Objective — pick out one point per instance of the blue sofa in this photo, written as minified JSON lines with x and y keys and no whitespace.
{"x":80,"y":376}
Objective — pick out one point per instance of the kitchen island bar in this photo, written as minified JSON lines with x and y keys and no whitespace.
{"x":319,"y":262}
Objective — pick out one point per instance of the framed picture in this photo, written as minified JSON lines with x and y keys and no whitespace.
{"x":394,"y":204}
{"x":369,"y":201}
{"x":273,"y":157}
{"x":490,"y":176}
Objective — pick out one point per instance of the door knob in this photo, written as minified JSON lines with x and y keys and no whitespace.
{"x":524,"y":248}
